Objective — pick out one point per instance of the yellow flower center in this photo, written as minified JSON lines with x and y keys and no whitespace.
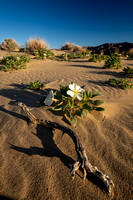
{"x":75,"y":92}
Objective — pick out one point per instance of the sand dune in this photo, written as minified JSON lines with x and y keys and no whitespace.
{"x":35,"y":162}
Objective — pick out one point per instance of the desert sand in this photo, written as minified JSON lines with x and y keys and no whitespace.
{"x":35,"y":162}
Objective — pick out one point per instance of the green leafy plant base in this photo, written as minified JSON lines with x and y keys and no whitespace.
{"x":120,"y":83}
{"x":113,"y":61}
{"x":97,"y":58}
{"x":72,"y":107}
{"x":14,"y":62}
{"x":36,"y":85}
{"x":128,"y":72}
{"x":42,"y":54}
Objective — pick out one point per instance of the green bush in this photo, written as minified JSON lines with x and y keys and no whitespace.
{"x":41,"y":54}
{"x":14,"y":62}
{"x":73,"y":101}
{"x":22,"y":49}
{"x":68,"y":57}
{"x":84,"y":54}
{"x":120,"y":83}
{"x":9,"y":45}
{"x":130,"y":57}
{"x":36,"y":85}
{"x":127,"y":72}
{"x":96,"y":58}
{"x":113,"y":61}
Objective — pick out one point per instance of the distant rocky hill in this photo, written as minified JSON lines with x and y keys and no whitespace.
{"x":123,"y":48}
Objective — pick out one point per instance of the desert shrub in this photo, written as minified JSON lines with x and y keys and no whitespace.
{"x":36,"y":44}
{"x":120,"y":83}
{"x":67,"y":57}
{"x":130,"y":57}
{"x":113,"y":61}
{"x":42,"y":54}
{"x":72,"y":47}
{"x":96,"y":58}
{"x":9,"y":44}
{"x":73,"y":101}
{"x":78,"y":55}
{"x":36,"y":85}
{"x":14,"y":62}
{"x":127,"y":72}
{"x":63,"y":57}
{"x":22,"y":49}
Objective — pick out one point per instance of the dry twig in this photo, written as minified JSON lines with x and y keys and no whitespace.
{"x":82,"y":159}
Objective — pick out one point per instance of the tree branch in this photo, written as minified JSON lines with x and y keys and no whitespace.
{"x":82,"y":159}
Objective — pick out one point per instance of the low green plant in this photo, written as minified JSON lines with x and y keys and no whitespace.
{"x":130,"y":57}
{"x":128,"y":72}
{"x":120,"y":83}
{"x":96,"y":58}
{"x":36,"y":85}
{"x":22,"y":49}
{"x":63,"y":57}
{"x":113,"y":61}
{"x":84,"y":54}
{"x":41,"y":54}
{"x":73,"y":101}
{"x":68,"y":57}
{"x":14,"y":62}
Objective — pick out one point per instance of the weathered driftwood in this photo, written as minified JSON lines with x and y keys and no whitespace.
{"x":82,"y":159}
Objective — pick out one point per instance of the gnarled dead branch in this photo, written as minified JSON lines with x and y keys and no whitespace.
{"x":82,"y":159}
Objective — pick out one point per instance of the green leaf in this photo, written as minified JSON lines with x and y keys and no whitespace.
{"x":96,"y":94}
{"x":87,"y":94}
{"x":58,"y":94}
{"x":88,"y":101}
{"x":70,"y":102}
{"x":85,"y":112}
{"x":79,"y":113}
{"x":99,"y":109}
{"x":74,"y":120}
{"x":90,"y":94}
{"x":58,"y":107}
{"x":98,"y":102}
{"x":68,"y":114}
{"x":63,"y":107}
{"x":87,"y":107}
{"x":84,"y":95}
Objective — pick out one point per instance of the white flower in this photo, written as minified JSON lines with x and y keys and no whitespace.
{"x":18,"y":58}
{"x":75,"y":91}
{"x":49,"y":99}
{"x":1,"y":58}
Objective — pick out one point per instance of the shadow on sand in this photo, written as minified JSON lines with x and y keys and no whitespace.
{"x":50,"y":149}
{"x":20,"y":94}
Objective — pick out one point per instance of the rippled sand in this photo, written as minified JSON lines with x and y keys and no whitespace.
{"x":35,"y":162}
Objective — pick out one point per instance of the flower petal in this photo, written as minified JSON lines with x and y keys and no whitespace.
{"x":77,"y":88}
{"x":71,"y":93}
{"x":79,"y":96}
{"x":81,"y":90}
{"x":71,"y":86}
{"x":49,"y":99}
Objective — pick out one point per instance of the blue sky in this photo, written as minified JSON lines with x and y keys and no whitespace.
{"x":83,"y":22}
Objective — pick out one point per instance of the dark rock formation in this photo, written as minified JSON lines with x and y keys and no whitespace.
{"x":107,"y":48}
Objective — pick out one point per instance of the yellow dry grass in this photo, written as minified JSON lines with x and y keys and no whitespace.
{"x":36,"y":44}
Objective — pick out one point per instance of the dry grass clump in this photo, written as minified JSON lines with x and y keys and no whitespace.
{"x":36,"y":44}
{"x":72,"y":47}
{"x":9,"y":45}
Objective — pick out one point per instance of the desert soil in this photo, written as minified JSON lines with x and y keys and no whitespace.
{"x":35,"y":162}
